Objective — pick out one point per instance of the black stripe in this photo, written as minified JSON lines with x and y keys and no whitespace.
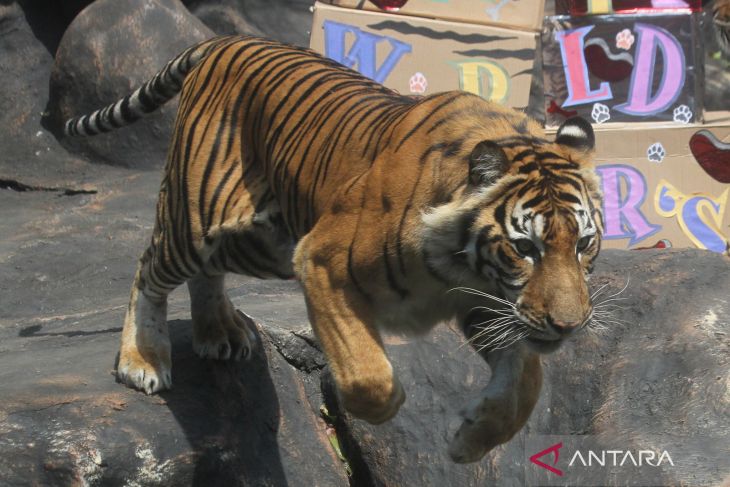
{"x":499,"y":214}
{"x":562,"y":166}
{"x":407,"y":28}
{"x":109,"y":117}
{"x":567,"y":179}
{"x":465,"y":225}
{"x":447,"y":119}
{"x":520,"y":156}
{"x":528,"y":168}
{"x":351,"y":273}
{"x":127,"y":113}
{"x":521,"y":54}
{"x":148,"y":105}
{"x":399,"y":235}
{"x":324,"y":161}
{"x":518,"y":225}
{"x":85,"y":122}
{"x":210,"y":165}
{"x":402,"y":292}
{"x":534,"y":201}
{"x":428,"y":117}
{"x":217,"y":193}
{"x":231,"y":252}
{"x":569,"y":197}
{"x":543,"y":155}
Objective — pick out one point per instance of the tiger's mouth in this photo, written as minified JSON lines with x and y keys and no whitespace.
{"x":542,"y":345}
{"x":501,"y":326}
{"x":546,"y":338}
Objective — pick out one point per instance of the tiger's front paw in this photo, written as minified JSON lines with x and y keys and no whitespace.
{"x":149,"y":372}
{"x":374,"y":401}
{"x":487,"y":424}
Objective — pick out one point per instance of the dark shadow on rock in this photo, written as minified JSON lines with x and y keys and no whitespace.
{"x":47,"y":20}
{"x":32,"y":331}
{"x":361,"y":475}
{"x":284,"y":20}
{"x":229,"y":412}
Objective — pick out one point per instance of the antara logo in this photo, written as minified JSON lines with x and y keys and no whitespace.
{"x":555,"y":450}
{"x":548,"y":458}
{"x":620,"y":458}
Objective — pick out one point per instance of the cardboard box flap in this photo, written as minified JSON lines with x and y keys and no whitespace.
{"x":520,"y":14}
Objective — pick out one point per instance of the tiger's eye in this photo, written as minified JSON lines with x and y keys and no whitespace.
{"x":583,"y":243}
{"x":525,"y":246}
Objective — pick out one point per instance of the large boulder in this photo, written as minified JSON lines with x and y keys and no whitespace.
{"x":110,"y":49}
{"x":284,"y":20}
{"x":28,"y":151}
{"x":68,"y":423}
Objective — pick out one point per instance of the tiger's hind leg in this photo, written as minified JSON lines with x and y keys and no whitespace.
{"x":220,"y":331}
{"x":144,"y":356}
{"x":255,"y":243}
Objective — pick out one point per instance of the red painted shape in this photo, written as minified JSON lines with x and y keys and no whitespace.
{"x":555,"y":450}
{"x":389,"y":5}
{"x":712,"y":155}
{"x":661,"y":244}
{"x":580,"y":7}
{"x":555,"y":108}
{"x":604,"y":64}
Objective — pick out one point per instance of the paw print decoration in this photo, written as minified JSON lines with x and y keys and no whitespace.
{"x":682,"y":114}
{"x":656,"y":152}
{"x":418,"y":83}
{"x":600,"y":113}
{"x":624,"y":40}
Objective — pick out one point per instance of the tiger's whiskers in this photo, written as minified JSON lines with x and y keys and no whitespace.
{"x":501,"y":331}
{"x":603,"y":311}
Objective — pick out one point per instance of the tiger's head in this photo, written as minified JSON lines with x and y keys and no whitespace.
{"x":529,"y":228}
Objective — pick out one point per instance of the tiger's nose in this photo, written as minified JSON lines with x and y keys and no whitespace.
{"x":563,"y":326}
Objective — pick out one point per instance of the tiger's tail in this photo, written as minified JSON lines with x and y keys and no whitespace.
{"x":146,"y":99}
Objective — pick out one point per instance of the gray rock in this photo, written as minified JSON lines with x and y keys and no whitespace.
{"x":111,"y":48}
{"x":28,"y":151}
{"x":66,"y":422}
{"x":284,"y":20}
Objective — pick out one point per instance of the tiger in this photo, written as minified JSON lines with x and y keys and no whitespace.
{"x":393,"y":212}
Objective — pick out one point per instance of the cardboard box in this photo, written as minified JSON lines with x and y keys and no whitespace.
{"x":422,"y":56}
{"x":520,"y":14}
{"x":655,"y":186}
{"x":616,"y":68}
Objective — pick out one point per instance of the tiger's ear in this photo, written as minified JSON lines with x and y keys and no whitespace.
{"x":576,"y":133}
{"x":487,"y":163}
